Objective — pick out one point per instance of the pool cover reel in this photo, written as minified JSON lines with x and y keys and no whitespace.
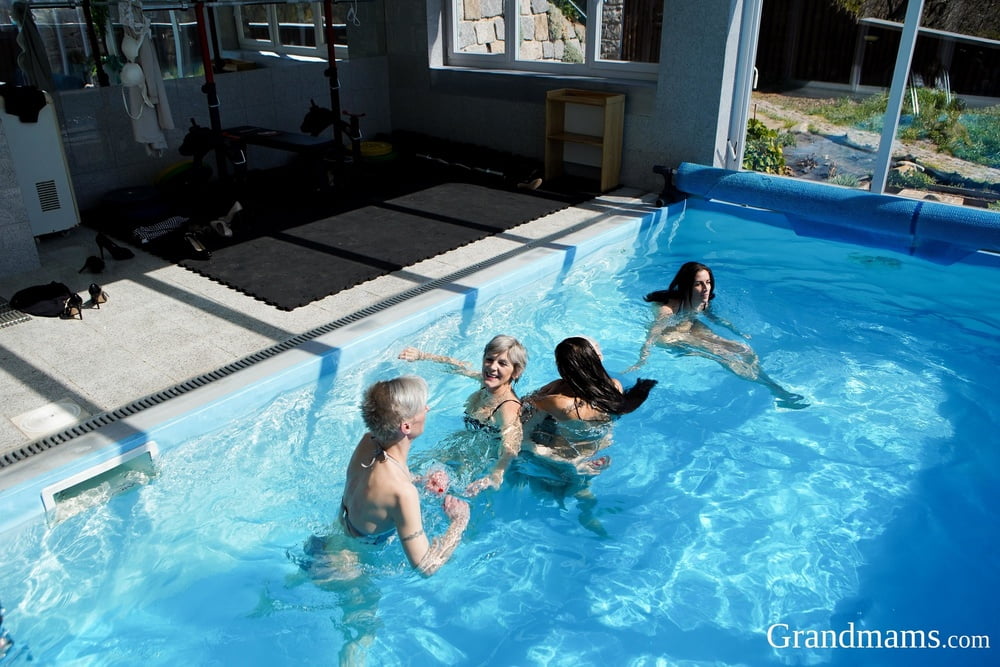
{"x":940,"y":233}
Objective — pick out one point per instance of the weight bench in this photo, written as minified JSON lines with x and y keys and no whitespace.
{"x":282,"y":141}
{"x":313,"y":148}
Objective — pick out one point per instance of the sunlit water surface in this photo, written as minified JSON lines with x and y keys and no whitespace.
{"x":720,"y":515}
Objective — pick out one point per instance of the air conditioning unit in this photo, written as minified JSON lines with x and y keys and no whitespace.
{"x":42,"y":171}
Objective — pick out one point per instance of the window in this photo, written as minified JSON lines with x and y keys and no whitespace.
{"x":830,"y":107}
{"x":69,"y":50}
{"x":296,"y":29}
{"x":573,"y":37}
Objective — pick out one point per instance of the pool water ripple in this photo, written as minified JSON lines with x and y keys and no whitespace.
{"x":719,"y":515}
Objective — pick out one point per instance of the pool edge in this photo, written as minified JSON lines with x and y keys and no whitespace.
{"x":117,"y":432}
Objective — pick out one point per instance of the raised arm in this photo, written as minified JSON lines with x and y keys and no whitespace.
{"x":426,"y":556}
{"x":442,"y":548}
{"x":460,"y":367}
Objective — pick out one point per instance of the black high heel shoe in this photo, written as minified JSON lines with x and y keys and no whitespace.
{"x":199,"y":249}
{"x":97,"y":295}
{"x":116,"y":250}
{"x":73,"y":308}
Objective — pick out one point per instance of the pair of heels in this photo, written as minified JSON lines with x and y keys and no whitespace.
{"x":73,"y":308}
{"x":222,"y":226}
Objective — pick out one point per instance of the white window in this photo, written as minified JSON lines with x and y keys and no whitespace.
{"x":174,"y":36}
{"x":573,"y":37}
{"x":296,"y":28}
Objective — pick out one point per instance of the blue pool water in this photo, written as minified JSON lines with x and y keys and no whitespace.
{"x":721,"y":516}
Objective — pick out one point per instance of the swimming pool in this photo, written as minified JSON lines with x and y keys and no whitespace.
{"x":721,"y":516}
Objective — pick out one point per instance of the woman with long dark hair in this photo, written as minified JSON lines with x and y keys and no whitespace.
{"x":569,"y":419}
{"x":678,"y":327}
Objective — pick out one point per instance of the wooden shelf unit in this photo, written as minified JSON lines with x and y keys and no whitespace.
{"x":609,"y":141}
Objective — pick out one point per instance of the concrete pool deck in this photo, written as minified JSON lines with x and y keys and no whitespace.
{"x":164,"y":325}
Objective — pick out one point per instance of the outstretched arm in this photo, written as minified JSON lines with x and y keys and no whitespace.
{"x":723,"y":322}
{"x":655,"y":331}
{"x":460,"y":367}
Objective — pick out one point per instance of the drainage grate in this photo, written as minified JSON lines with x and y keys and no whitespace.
{"x":99,"y":421}
{"x":9,"y":316}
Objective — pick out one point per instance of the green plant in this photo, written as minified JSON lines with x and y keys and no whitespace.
{"x":938,"y":120}
{"x":568,"y":10}
{"x":571,"y":54}
{"x":993,"y":206}
{"x":971,"y":134}
{"x":847,"y":180}
{"x":850,"y":111}
{"x":556,"y":30}
{"x":917,"y":180}
{"x":763,"y":149}
{"x":983,"y":143}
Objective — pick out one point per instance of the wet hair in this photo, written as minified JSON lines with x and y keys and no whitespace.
{"x":580,"y":366}
{"x":516,"y":352}
{"x":681,"y":286}
{"x":389,"y":403}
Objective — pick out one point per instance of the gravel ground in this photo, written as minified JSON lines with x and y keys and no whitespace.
{"x":849,"y":150}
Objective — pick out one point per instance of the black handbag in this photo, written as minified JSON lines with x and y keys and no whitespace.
{"x":42,"y":300}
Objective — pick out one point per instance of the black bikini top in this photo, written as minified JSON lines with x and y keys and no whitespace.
{"x":474,"y":424}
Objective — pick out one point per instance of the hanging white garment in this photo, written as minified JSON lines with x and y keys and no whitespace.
{"x":146,"y":101}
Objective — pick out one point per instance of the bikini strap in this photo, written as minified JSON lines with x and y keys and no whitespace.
{"x":398,"y":464}
{"x":509,"y":400}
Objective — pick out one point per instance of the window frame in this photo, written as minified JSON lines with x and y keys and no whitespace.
{"x":591,"y":67}
{"x":273,"y":30}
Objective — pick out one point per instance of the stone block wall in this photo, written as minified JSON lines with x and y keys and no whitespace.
{"x":546,"y":33}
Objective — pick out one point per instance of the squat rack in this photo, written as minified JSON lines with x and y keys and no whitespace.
{"x":205,"y":48}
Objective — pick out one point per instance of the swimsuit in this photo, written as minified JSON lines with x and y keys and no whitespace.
{"x":364,"y":538}
{"x":350,"y":528}
{"x":572,"y":431}
{"x":474,"y":424}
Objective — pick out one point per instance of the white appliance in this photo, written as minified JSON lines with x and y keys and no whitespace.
{"x":42,"y":171}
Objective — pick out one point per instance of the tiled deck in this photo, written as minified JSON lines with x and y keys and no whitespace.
{"x":164,"y":325}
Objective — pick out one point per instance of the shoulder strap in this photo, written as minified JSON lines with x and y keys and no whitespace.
{"x":509,"y":400}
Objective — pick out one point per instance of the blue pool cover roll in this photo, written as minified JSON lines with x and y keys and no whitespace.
{"x":942,"y":233}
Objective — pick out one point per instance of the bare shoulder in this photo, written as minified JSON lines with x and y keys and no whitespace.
{"x":560,"y":406}
{"x":554,"y":387}
{"x":669,"y":308}
{"x":510,"y":410}
{"x":405,"y":500}
{"x":546,"y":397}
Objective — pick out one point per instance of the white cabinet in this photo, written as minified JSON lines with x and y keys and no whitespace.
{"x":42,"y":171}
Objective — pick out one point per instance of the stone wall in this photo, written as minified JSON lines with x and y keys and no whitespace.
{"x":546,"y":34}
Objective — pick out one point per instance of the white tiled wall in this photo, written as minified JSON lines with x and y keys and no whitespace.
{"x":103,"y":155}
